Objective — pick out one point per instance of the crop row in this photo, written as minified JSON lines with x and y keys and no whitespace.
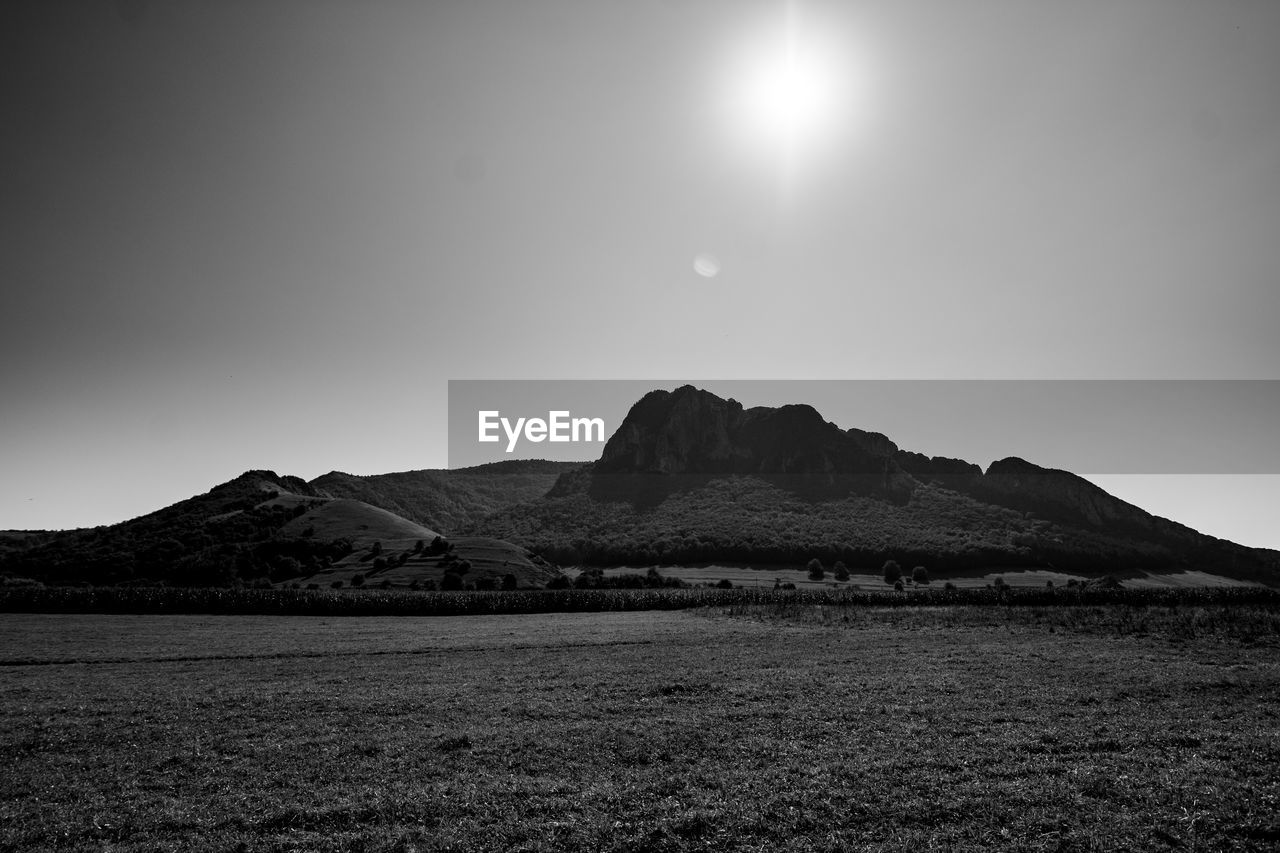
{"x":303,"y":602}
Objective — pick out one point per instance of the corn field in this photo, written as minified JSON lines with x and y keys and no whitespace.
{"x":287,"y":602}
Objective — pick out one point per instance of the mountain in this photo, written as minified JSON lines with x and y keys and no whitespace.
{"x":691,"y":477}
{"x":687,"y":477}
{"x":260,"y":527}
{"x":224,"y":533}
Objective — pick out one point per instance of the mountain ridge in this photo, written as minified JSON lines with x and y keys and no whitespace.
{"x":687,"y":477}
{"x":847,"y":494}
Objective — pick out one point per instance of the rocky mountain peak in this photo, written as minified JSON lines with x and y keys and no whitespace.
{"x":691,"y":431}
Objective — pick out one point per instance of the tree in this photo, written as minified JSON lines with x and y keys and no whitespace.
{"x":357,"y":580}
{"x":920,"y":574}
{"x":286,"y":567}
{"x":816,"y":572}
{"x":451,"y":581}
{"x":892,"y":571}
{"x":840,"y":571}
{"x":509,"y":581}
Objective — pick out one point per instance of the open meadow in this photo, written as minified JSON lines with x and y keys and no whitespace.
{"x":725,"y":728}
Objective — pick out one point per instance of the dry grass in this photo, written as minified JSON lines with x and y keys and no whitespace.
{"x":634,"y":732}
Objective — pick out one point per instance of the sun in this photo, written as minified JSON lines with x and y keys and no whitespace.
{"x":792,"y":88}
{"x":787,"y":96}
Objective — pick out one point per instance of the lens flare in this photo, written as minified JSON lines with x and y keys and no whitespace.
{"x":706,"y":265}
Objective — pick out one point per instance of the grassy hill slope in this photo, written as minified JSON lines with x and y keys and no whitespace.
{"x":448,"y":500}
{"x":342,"y":518}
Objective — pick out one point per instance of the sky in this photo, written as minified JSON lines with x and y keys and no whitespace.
{"x":246,"y":235}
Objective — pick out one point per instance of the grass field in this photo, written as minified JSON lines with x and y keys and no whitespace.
{"x":978,"y":728}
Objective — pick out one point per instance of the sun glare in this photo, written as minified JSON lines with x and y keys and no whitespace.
{"x":786,"y":97}
{"x":791,"y":90}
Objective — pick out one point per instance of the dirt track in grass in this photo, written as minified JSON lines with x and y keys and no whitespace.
{"x":632,"y":731}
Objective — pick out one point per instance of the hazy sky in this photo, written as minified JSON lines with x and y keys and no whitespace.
{"x":266,"y":234}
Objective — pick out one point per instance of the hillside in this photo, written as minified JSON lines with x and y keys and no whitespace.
{"x":224,"y":534}
{"x":259,"y":527}
{"x":403,"y":563}
{"x":358,"y":522}
{"x":448,"y":499}
{"x":691,"y":478}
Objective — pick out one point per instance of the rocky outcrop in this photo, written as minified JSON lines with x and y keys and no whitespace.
{"x":1058,"y":494}
{"x":689,"y":431}
{"x":951,"y":473}
{"x":676,"y":432}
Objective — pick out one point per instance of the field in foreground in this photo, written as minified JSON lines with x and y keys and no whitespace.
{"x":908,"y":729}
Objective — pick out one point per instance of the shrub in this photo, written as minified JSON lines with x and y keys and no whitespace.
{"x":451,"y":581}
{"x":948,"y":586}
{"x":840,"y":571}
{"x":509,"y":581}
{"x":286,"y":567}
{"x":336,"y":585}
{"x":357,"y":579}
{"x":920,"y":574}
{"x":724,"y":583}
{"x":816,"y":572}
{"x":892,"y":571}
{"x":589,"y":578}
{"x":897,"y":585}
